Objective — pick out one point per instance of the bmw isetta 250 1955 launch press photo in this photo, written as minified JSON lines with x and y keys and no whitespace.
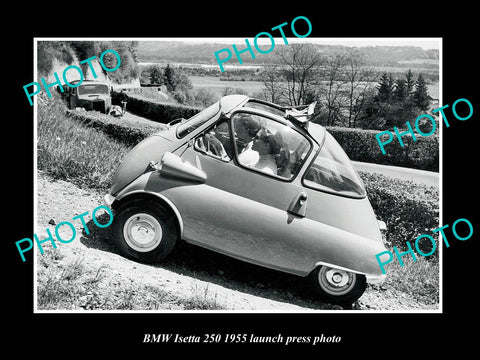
{"x":258,"y":182}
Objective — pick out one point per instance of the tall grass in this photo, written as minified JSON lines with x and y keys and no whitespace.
{"x":419,"y":279}
{"x":71,"y":151}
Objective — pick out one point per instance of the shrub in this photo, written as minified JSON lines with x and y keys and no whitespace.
{"x":361,"y":145}
{"x":118,"y":129}
{"x":159,"y":111}
{"x":408,"y":209}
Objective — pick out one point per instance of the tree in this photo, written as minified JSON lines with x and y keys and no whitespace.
{"x":128,"y":69}
{"x":409,"y":83}
{"x":333,"y":92}
{"x":385,"y":88}
{"x":420,"y":96}
{"x":400,"y":91}
{"x":169,"y":74}
{"x":47,"y":51}
{"x":359,"y":81}
{"x":156,"y":75}
{"x":178,"y":84}
{"x":300,"y":63}
{"x":272,"y":79}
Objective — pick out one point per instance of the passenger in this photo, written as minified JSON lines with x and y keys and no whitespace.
{"x":222,"y":136}
{"x":282,"y":154}
{"x":246,"y":127}
{"x":273,"y":153}
{"x":216,"y":141}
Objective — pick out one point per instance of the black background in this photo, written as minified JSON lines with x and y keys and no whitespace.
{"x":377,"y":334}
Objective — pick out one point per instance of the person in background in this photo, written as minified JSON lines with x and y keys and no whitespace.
{"x":123,"y":100}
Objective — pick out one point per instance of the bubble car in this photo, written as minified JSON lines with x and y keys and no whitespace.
{"x":255,"y":181}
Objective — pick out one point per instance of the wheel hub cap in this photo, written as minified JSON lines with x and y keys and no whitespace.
{"x":142,"y":232}
{"x":335,"y":281}
{"x":337,"y":277}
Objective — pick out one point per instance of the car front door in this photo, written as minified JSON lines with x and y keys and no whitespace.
{"x":252,"y":204}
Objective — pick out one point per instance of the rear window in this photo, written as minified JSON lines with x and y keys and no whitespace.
{"x":198,"y":120}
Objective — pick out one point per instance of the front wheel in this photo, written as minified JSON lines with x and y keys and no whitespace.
{"x":145,"y":232}
{"x":338,"y":286}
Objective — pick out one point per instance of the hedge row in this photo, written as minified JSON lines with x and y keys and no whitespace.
{"x":408,"y":209}
{"x":116,"y":128}
{"x":361,"y":145}
{"x":158,"y":111}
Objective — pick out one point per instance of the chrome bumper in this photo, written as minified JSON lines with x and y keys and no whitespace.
{"x":108,"y":199}
{"x":376,"y":279}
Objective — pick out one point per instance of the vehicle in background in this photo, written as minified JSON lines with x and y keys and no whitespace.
{"x":89,"y":95}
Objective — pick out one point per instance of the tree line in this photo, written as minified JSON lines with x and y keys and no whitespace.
{"x":177,"y":85}
{"x":71,"y":51}
{"x":347,"y":92}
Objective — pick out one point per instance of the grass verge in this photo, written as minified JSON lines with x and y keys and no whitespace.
{"x":419,"y":279}
{"x":72,"y":151}
{"x":74,"y":286}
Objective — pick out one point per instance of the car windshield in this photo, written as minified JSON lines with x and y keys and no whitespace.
{"x":87,"y":89}
{"x":332,"y":171}
{"x":198,"y":120}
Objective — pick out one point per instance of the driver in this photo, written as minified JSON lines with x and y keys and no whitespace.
{"x":246,"y":128}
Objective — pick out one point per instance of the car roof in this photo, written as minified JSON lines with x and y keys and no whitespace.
{"x":230,"y":102}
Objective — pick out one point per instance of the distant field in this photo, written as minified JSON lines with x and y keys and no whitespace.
{"x":215,"y":85}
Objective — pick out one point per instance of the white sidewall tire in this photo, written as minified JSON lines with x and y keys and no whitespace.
{"x":144,"y":231}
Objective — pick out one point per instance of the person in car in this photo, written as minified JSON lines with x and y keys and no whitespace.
{"x":246,"y":128}
{"x":273,"y":153}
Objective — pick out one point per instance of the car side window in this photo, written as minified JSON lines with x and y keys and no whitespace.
{"x":332,"y":171}
{"x":216,"y":141}
{"x":268,"y":146}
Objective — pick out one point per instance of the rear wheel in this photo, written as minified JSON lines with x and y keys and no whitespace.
{"x":143,"y":231}
{"x":338,"y":286}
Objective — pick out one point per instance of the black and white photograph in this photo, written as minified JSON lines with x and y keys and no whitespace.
{"x":259,"y":188}
{"x":260,"y":182}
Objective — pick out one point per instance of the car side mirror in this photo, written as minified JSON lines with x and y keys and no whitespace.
{"x":172,"y":165}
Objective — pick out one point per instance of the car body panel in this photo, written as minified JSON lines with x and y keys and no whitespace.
{"x":231,"y":209}
{"x":256,"y":232}
{"x":136,"y":162}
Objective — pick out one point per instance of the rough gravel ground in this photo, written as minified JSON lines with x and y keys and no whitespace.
{"x":188,"y":272}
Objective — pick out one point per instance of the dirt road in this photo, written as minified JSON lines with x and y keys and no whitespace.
{"x":189,"y":270}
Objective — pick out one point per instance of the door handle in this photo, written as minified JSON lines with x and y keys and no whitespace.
{"x":302,"y":198}
{"x":299,"y":205}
